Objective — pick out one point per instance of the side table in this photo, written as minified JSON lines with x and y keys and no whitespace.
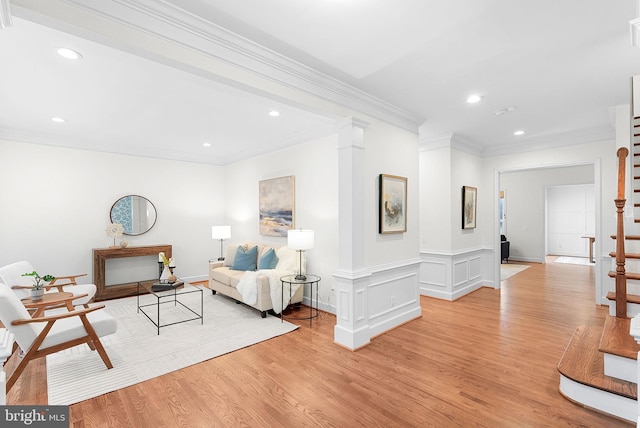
{"x":310,"y":280}
{"x":50,"y":300}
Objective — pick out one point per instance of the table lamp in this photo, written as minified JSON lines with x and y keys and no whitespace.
{"x":300,"y":240}
{"x":221,"y":233}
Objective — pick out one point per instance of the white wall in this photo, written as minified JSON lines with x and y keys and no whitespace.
{"x":466,"y":170}
{"x":436,"y":219}
{"x":525,"y":199}
{"x":570,"y":215}
{"x":56,"y":203}
{"x":390,"y":150}
{"x":315,"y":167}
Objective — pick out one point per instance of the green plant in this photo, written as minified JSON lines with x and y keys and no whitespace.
{"x":38,"y":281}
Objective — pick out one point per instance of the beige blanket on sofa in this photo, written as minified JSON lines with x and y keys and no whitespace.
{"x":248,"y":288}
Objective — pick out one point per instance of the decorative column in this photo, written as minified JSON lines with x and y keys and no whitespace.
{"x":6,"y":345}
{"x":351,"y":279}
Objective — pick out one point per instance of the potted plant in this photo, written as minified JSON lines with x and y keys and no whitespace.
{"x":38,"y":284}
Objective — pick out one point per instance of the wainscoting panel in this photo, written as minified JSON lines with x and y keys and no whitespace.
{"x":460,"y":272}
{"x":343,"y":306}
{"x":383,"y":298}
{"x":465,"y":272}
{"x":435,"y":273}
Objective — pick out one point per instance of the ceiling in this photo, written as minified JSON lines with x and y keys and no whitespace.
{"x":559,"y":70}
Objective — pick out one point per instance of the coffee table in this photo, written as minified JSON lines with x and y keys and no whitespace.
{"x":164,"y":299}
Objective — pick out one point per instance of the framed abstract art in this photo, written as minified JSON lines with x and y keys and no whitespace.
{"x":276,"y":205}
{"x":393,"y":204}
{"x":469,"y":206}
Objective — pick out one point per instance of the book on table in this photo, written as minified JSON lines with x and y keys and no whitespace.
{"x":166,"y":286}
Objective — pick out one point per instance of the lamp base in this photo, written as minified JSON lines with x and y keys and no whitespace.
{"x":301,"y":277}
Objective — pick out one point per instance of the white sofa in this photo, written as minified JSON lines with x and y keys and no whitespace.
{"x":224,"y":279}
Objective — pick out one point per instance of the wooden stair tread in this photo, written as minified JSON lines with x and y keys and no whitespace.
{"x":629,"y":237}
{"x":629,"y":275}
{"x":582,"y":362}
{"x":616,"y":340}
{"x":627,"y":255}
{"x":631,"y":298}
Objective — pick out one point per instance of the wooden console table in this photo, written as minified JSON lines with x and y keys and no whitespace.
{"x":100,"y":256}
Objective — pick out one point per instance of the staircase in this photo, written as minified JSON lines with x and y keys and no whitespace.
{"x":599,"y":366}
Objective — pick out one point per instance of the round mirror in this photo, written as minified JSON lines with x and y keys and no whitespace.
{"x":136,"y":214}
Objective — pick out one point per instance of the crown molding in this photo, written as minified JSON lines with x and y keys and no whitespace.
{"x":167,"y":22}
{"x":544,"y":142}
{"x":554,"y":141}
{"x":5,"y":14}
{"x":452,"y":141}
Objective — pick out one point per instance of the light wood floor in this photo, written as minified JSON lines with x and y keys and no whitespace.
{"x":488,"y":359}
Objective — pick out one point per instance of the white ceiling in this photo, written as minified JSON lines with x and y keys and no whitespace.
{"x":563,"y":67}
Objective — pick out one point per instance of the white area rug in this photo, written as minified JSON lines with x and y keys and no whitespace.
{"x":574,"y":261}
{"x":507,"y":270}
{"x":138,"y":353}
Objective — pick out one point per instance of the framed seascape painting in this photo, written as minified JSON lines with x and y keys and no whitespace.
{"x":276,"y":206}
{"x":469,"y":205}
{"x":393,"y":204}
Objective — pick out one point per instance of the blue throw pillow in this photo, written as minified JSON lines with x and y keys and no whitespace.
{"x":269,"y":260}
{"x":245,"y":260}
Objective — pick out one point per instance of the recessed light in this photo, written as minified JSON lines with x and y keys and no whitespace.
{"x":473,"y":99}
{"x":274,"y":113}
{"x":58,"y":120}
{"x":205,"y":144}
{"x":68,"y":53}
{"x":519,"y":132}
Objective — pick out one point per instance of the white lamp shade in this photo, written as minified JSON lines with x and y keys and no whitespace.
{"x":220,"y":232}
{"x":300,"y":239}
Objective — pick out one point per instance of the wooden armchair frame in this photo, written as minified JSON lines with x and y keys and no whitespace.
{"x":11,"y":275}
{"x":35,"y":351}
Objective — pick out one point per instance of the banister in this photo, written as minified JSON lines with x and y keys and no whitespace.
{"x":622,"y":153}
{"x":621,"y":278}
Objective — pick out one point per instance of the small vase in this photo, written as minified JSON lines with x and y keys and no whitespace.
{"x":165,"y":274}
{"x":36,"y":294}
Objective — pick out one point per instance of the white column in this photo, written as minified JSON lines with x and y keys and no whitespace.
{"x":6,"y":345}
{"x":351,"y":279}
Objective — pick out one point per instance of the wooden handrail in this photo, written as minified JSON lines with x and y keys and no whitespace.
{"x":621,"y":278}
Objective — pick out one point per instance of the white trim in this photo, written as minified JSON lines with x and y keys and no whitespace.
{"x":634,"y":28}
{"x":166,"y":22}
{"x":5,"y":14}
{"x":598,"y":399}
{"x":621,"y":367}
{"x":599,"y":300}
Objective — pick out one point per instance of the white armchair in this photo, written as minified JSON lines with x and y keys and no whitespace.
{"x":38,"y":337}
{"x":11,"y":275}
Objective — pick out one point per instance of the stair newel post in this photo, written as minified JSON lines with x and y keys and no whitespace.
{"x":621,"y":279}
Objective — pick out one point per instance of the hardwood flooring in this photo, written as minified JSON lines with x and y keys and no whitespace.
{"x":488,"y":359}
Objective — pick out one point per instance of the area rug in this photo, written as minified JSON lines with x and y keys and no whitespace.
{"x":507,"y":270}
{"x":138,"y":353}
{"x":574,"y":261}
